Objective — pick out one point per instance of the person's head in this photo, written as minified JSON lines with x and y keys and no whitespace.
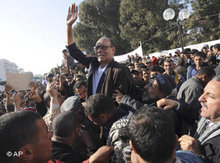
{"x":73,"y":104}
{"x":210,"y":100}
{"x":24,"y":132}
{"x":154,"y":60}
{"x":65,"y":127}
{"x":159,"y":87}
{"x":65,"y":53}
{"x":205,"y":48}
{"x":146,"y":74}
{"x":177,"y":52}
{"x":180,"y":62}
{"x":49,"y":77}
{"x":152,"y":135}
{"x":168,"y":66}
{"x":199,"y":59}
{"x":99,"y":109}
{"x":131,"y":66}
{"x":216,"y":48}
{"x":155,"y":70}
{"x":137,"y":75}
{"x":69,"y":79}
{"x":104,"y":50}
{"x":211,"y":60}
{"x":205,"y":74}
{"x":80,"y":77}
{"x":80,"y":88}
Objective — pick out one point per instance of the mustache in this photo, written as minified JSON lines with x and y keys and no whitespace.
{"x":204,"y":105}
{"x":100,"y":55}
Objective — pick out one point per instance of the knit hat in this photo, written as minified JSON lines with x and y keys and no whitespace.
{"x":165,"y":82}
{"x":70,"y":103}
{"x":154,"y":60}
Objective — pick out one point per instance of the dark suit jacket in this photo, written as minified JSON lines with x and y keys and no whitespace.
{"x":211,"y":149}
{"x":115,"y":76}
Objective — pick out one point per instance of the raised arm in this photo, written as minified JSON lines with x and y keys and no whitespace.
{"x":70,"y":20}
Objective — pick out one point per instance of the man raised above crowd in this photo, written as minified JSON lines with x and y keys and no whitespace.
{"x":105,"y":74}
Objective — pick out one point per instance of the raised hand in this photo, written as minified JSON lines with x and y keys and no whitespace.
{"x":72,"y":14}
{"x":190,"y":144}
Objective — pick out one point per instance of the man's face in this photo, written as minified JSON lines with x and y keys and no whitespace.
{"x":65,"y":54}
{"x":215,"y":50}
{"x":146,"y":75}
{"x":104,"y":51}
{"x":137,"y":77}
{"x":154,"y":73}
{"x":82,"y":92}
{"x":151,"y":92}
{"x":99,"y":121}
{"x":131,"y":68}
{"x":168,"y":66}
{"x":79,"y":112}
{"x":198,"y":60}
{"x":210,"y":101}
{"x":42,"y":149}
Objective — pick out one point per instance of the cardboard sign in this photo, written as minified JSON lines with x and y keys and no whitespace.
{"x":19,"y":81}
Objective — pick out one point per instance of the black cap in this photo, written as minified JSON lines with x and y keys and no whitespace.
{"x":70,"y":104}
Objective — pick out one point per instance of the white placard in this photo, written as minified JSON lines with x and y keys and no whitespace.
{"x":19,"y":81}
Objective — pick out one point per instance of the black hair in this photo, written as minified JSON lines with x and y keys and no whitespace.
{"x":208,"y":70}
{"x":212,"y":60}
{"x":151,"y":131}
{"x":98,"y":104}
{"x":200,"y":54}
{"x":186,"y":51}
{"x":107,"y":38}
{"x":64,"y":50}
{"x":193,"y":51}
{"x":168,"y":60}
{"x":217,"y":46}
{"x":79,"y":84}
{"x":211,"y":47}
{"x":157,"y":68}
{"x":64,"y":124}
{"x":16,"y":130}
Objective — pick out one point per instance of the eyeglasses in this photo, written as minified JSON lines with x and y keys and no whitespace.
{"x":102,"y":47}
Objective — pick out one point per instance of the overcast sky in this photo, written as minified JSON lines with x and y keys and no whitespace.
{"x":32,"y":33}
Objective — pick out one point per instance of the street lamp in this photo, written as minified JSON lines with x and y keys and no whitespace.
{"x":169,"y":14}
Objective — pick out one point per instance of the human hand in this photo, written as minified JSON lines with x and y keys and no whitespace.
{"x":190,"y":144}
{"x":32,"y":85}
{"x":17,"y":101}
{"x":53,"y":92}
{"x":8,"y":89}
{"x":62,"y":78}
{"x":72,"y":14}
{"x":117,"y":95}
{"x":35,"y":96}
{"x":103,"y":154}
{"x":167,"y":103}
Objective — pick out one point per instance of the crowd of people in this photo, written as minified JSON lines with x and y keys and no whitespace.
{"x":96,"y":110}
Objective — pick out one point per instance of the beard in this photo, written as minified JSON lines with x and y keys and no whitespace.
{"x":148,"y":98}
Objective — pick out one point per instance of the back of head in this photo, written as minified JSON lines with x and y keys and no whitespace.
{"x":217,"y":46}
{"x":206,"y":70}
{"x":152,"y":134}
{"x":16,"y":130}
{"x":64,"y":125}
{"x":166,"y":83}
{"x":71,"y":104}
{"x":98,"y":104}
{"x":200,"y":54}
{"x":79,"y":84}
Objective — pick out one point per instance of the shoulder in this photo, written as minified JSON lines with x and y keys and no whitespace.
{"x":116,"y":65}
